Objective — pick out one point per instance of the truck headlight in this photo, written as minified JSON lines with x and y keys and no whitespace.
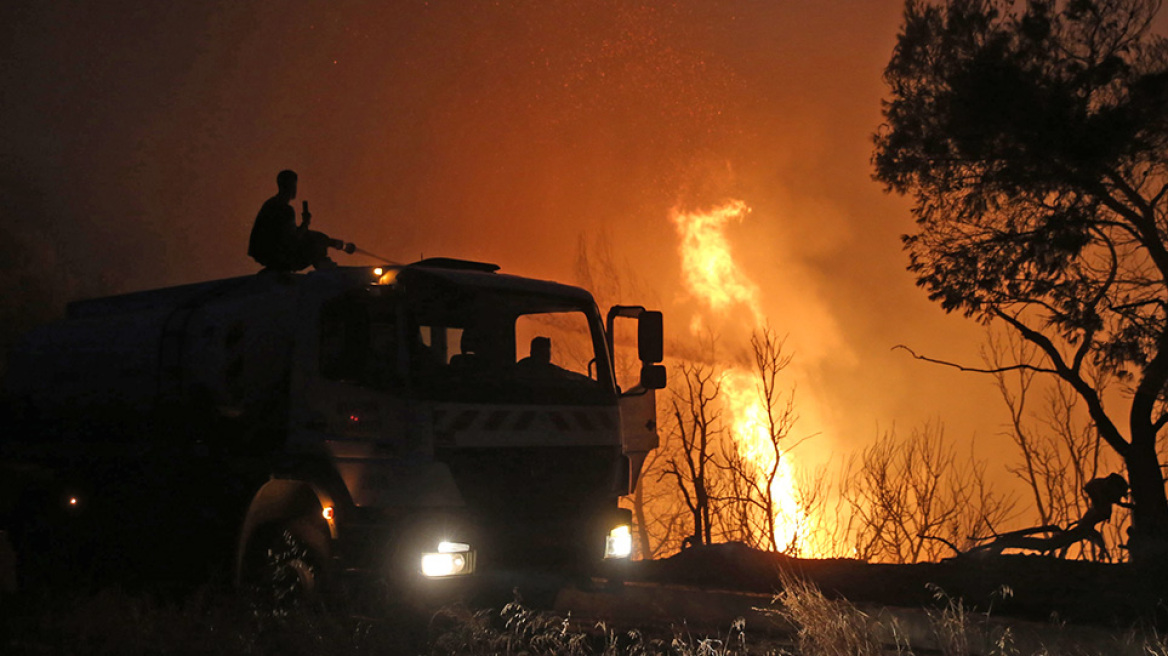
{"x":451,"y":559}
{"x":619,"y":543}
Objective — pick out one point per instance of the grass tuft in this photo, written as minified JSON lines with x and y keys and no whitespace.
{"x":825,"y":627}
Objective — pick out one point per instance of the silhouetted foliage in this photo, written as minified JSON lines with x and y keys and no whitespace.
{"x":1033,"y":139}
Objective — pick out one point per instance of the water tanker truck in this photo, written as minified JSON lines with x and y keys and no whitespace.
{"x":415,"y":424}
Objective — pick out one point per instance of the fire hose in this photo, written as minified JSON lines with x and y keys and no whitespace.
{"x":350,"y":248}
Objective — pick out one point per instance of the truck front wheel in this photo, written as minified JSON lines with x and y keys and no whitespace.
{"x":287,"y":562}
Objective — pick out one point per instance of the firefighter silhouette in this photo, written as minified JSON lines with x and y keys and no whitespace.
{"x":278,"y":243}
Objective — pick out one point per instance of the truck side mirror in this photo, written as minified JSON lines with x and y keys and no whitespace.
{"x":653,"y":376}
{"x":650,"y":340}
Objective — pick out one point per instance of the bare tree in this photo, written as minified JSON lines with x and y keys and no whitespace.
{"x":813,"y":534}
{"x":908,"y":498}
{"x":1060,"y":449}
{"x":690,"y":443}
{"x":658,"y":512}
{"x":751,"y":484}
{"x":737,"y":512}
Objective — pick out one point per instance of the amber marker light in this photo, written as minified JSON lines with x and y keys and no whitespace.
{"x":385,"y":276}
{"x":327,"y":513}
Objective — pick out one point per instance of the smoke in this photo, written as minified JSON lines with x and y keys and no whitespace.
{"x":36,"y":277}
{"x":500,"y":131}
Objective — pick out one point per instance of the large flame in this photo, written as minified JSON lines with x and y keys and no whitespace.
{"x":707,"y":266}
{"x":712,"y":276}
{"x":753,"y":441}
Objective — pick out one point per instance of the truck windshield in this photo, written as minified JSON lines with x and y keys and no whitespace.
{"x":494,"y":346}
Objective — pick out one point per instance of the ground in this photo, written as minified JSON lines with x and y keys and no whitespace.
{"x":1040,"y":587}
{"x":722,"y":593}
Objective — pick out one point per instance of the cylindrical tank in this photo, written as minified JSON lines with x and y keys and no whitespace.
{"x":118,"y":366}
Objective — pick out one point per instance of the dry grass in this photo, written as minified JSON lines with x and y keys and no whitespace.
{"x":832,"y":627}
{"x":208,"y":622}
{"x":825,"y":627}
{"x":215,"y":622}
{"x":517,"y":630}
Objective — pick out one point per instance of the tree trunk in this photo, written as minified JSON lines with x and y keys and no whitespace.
{"x":1148,"y":540}
{"x":702,"y":517}
{"x":640,"y":522}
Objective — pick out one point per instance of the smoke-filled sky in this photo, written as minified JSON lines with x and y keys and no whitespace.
{"x":140,"y":138}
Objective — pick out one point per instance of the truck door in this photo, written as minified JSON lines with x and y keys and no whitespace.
{"x":351,"y":400}
{"x":638,"y":411}
{"x":638,"y":404}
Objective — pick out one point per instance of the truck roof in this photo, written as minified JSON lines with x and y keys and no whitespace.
{"x":458,"y":272}
{"x":484,"y":278}
{"x":152,"y":298}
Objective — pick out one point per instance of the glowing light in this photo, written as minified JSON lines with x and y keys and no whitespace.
{"x":388,"y":276}
{"x":619,"y":543}
{"x":378,"y":271}
{"x":437,"y":565}
{"x":452,"y":547}
{"x":72,"y":501}
{"x":327,"y":513}
{"x":452,"y":559}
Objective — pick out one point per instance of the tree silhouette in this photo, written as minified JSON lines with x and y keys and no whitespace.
{"x":747,"y":498}
{"x":696,"y":426}
{"x":1034,"y":143}
{"x":1059,"y":448}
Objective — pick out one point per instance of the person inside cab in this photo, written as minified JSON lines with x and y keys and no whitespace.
{"x":539,"y":361}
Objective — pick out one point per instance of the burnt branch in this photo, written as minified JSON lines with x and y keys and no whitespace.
{"x":1021,"y":366}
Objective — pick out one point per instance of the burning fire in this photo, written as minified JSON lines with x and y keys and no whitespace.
{"x":752,"y":438}
{"x":712,"y":276}
{"x":706,"y":264}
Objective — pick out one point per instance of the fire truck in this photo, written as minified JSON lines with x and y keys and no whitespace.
{"x":392,"y":423}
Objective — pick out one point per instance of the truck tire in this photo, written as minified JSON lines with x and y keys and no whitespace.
{"x":288,"y":562}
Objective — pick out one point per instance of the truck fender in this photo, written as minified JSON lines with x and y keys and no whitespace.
{"x":281,"y":500}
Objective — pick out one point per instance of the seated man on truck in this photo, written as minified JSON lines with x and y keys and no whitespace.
{"x":279,"y":244}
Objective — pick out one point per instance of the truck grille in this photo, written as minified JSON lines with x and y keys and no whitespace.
{"x":532,"y":483}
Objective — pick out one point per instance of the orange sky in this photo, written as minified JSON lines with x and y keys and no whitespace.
{"x":139,"y":139}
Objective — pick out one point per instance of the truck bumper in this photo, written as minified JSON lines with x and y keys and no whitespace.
{"x":388,"y":549}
